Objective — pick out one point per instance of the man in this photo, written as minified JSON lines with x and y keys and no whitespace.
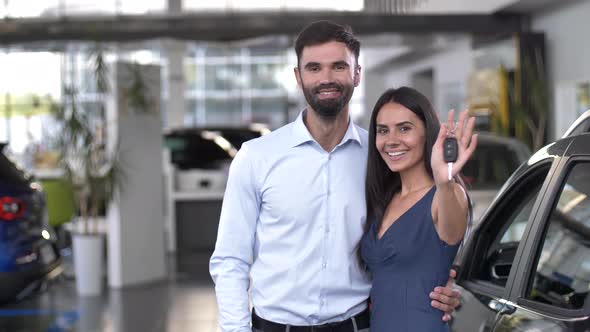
{"x":294,"y":207}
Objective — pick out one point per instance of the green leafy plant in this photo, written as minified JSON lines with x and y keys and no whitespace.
{"x":93,"y":172}
{"x":135,"y":93}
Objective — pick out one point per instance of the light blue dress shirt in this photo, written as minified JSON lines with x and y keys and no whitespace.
{"x":291,"y":221}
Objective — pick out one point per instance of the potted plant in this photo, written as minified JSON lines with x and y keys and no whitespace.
{"x":94,"y":167}
{"x":93,"y":174}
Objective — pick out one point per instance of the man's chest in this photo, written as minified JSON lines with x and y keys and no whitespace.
{"x":316,"y":187}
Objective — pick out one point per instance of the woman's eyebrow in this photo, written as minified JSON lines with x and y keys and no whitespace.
{"x":404,"y":123}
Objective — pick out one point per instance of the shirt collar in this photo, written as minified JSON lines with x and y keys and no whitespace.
{"x":302,"y":135}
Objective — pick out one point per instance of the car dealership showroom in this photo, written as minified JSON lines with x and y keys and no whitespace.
{"x":120,"y":120}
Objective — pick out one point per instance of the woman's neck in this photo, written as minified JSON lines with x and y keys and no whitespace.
{"x":414,"y":180}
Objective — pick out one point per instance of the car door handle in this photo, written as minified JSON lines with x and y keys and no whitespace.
{"x":502,"y":306}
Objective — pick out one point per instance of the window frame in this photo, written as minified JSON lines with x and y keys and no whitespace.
{"x":482,"y":242}
{"x":528,"y":267}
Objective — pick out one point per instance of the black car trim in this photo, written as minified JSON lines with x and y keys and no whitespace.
{"x":524,"y":255}
{"x":537,"y":208}
{"x":521,"y":181}
{"x":554,"y":312}
{"x":526,"y":270}
{"x":13,"y":283}
{"x":515,"y":180}
{"x":484,"y":287}
{"x":581,"y":125}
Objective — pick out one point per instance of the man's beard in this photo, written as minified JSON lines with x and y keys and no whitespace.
{"x":328,"y":108}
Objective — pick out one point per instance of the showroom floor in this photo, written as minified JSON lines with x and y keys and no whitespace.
{"x":186,"y":302}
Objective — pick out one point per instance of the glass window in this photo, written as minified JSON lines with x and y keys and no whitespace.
{"x":30,"y":8}
{"x":190,"y":75}
{"x":222,"y":51}
{"x":248,"y":5}
{"x":502,"y":235}
{"x":88,"y":7}
{"x":265,"y":76}
{"x":49,"y":8}
{"x":499,"y":258}
{"x":190,"y":116}
{"x":224,"y":77}
{"x":134,"y":7}
{"x":270,"y":111}
{"x":562,"y":274}
{"x":25,"y":103}
{"x":266,"y":50}
{"x":223,"y":112}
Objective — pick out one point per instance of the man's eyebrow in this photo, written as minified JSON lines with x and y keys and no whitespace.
{"x":311,"y":64}
{"x":341,"y":63}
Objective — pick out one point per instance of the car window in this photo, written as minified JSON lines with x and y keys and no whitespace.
{"x":9,"y":173}
{"x":516,"y":229}
{"x":501,"y":234}
{"x":206,"y":148}
{"x":191,"y":150}
{"x":490,"y":166}
{"x":562,"y":274}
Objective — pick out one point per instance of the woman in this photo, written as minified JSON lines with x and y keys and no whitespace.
{"x":416,"y":216}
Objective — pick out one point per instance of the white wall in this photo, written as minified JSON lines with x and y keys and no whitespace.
{"x":136,"y":252}
{"x":566,"y":31}
{"x":451,"y":71}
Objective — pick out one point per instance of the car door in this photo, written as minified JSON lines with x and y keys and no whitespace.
{"x":489,"y":258}
{"x":551,"y":291}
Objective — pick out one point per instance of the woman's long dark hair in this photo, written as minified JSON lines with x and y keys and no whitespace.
{"x":381,"y":183}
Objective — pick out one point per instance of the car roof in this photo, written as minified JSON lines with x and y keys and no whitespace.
{"x":580,"y":145}
{"x":566,"y":147}
{"x":522,"y":150}
{"x":487,"y":136}
{"x":581,"y":125}
{"x":575,"y":141}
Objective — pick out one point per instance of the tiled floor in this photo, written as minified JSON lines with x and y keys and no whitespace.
{"x":185,"y":302}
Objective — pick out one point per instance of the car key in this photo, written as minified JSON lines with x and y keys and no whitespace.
{"x":450,"y":153}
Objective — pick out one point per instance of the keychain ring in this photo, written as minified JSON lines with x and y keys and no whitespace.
{"x":451,"y":132}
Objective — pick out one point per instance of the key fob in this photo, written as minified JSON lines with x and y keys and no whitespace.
{"x":450,"y":150}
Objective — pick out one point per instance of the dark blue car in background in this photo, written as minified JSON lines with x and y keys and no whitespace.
{"x":28,"y":254}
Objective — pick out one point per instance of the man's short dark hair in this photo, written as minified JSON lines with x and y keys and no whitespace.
{"x":321,"y":32}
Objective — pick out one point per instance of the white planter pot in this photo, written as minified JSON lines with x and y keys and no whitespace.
{"x":88,"y":263}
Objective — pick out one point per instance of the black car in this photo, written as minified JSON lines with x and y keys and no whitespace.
{"x":208,"y":147}
{"x":492,"y":163}
{"x":526,"y":267}
{"x":28,"y":255}
{"x":581,"y":125}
